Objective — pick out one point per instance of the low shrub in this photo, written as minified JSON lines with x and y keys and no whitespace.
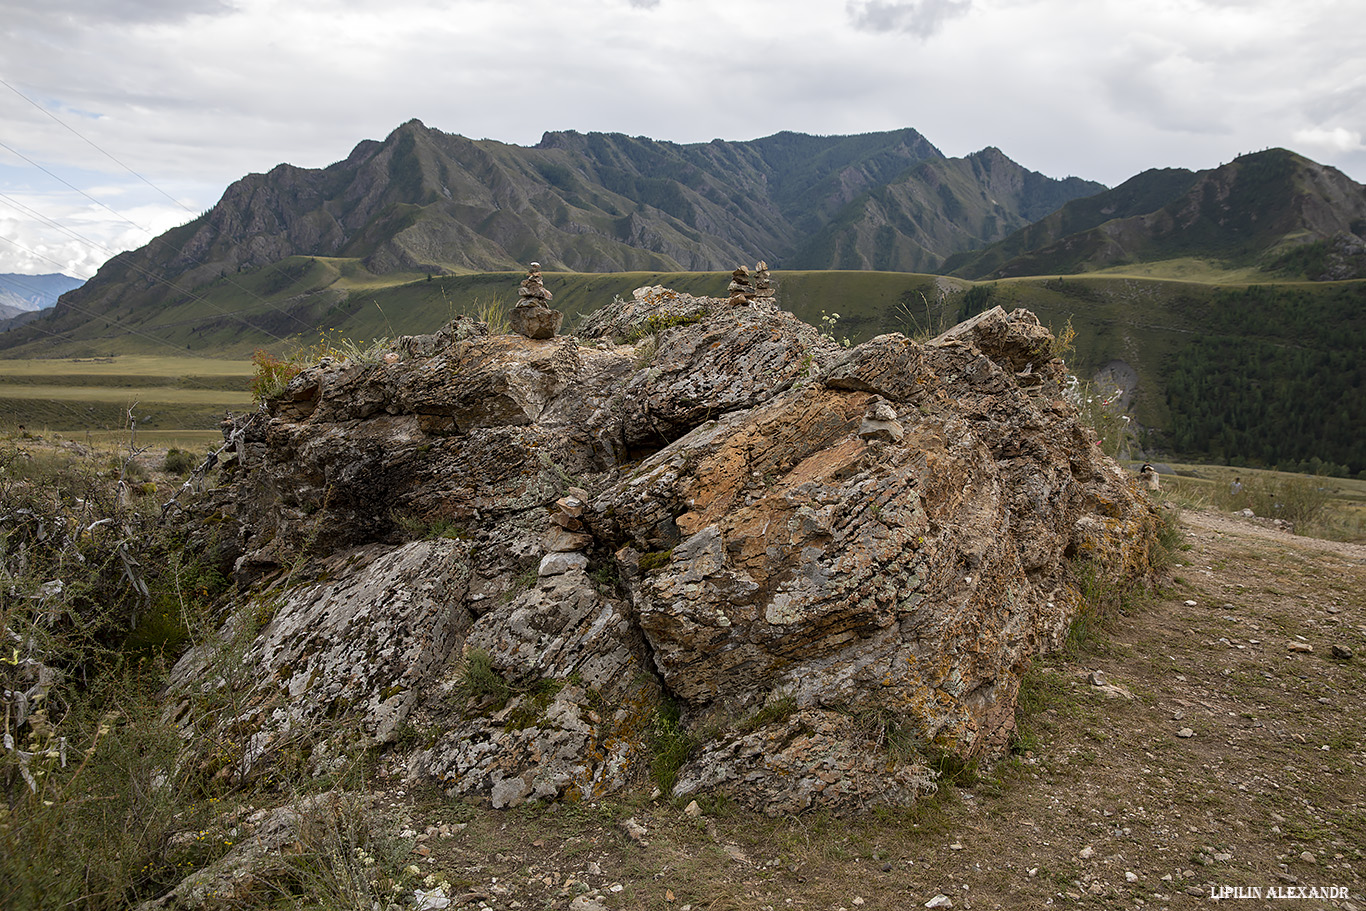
{"x":179,"y":462}
{"x":271,"y":374}
{"x":479,"y":678}
{"x":1298,"y":500}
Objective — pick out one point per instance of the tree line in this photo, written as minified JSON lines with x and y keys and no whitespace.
{"x":1275,"y":378}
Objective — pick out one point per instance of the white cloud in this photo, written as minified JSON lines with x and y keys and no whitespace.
{"x":49,"y":227}
{"x":57,"y":12}
{"x":1337,"y":139}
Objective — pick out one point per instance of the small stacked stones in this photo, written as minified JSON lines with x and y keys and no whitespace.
{"x":741,"y":289}
{"x":880,"y":422}
{"x":568,"y":536}
{"x":531,"y":317}
{"x":763,"y":284}
{"x":532,"y":290}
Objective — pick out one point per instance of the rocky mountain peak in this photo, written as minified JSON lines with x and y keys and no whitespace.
{"x":1257,"y":209}
{"x":528,"y":552}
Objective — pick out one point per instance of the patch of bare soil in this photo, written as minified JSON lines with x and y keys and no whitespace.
{"x":1208,"y":740}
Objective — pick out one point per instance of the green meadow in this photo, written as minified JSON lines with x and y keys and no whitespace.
{"x":169,"y":395}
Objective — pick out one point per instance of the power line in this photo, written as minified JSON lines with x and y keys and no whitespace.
{"x":93,"y":315}
{"x":34,"y":213}
{"x":69,"y":232}
{"x":166,"y":325}
{"x":130,"y":329}
{"x":33,"y":325}
{"x":157,"y":278}
{"x":9,"y":279}
{"x":121,"y":217}
{"x":154,"y":239}
{"x":94,"y":146}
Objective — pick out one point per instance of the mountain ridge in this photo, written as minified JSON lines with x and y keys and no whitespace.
{"x":425,"y":201}
{"x":22,"y":293}
{"x":1263,"y":209}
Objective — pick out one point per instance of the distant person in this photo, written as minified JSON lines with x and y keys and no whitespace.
{"x":1149,"y":474}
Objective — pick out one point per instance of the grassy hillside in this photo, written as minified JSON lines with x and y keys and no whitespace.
{"x":426,"y":202}
{"x":1140,"y":194}
{"x":938,"y":206}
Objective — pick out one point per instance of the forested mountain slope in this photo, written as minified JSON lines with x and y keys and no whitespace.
{"x":1275,"y":210}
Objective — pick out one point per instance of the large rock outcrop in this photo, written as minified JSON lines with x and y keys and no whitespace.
{"x":806,"y":552}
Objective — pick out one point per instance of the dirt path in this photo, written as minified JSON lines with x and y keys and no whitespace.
{"x":1206,"y":741}
{"x":1222,"y":523}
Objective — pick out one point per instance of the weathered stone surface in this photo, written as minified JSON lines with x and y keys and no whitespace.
{"x":763,"y":282}
{"x":562,"y":628}
{"x":365,"y":644}
{"x":562,"y":540}
{"x":880,"y":423}
{"x":553,"y":564}
{"x":486,"y":426}
{"x":534,"y":320}
{"x":580,"y":698}
{"x":706,"y":365}
{"x":649,"y":310}
{"x":532,"y":288}
{"x":810,"y":760}
{"x":258,"y":866}
{"x":758,"y":515}
{"x":921,"y":576}
{"x":1013,"y":340}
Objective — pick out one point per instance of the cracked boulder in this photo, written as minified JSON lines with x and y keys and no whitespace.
{"x":512,"y":561}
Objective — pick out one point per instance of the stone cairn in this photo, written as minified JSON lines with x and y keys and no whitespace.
{"x":763,"y":284}
{"x":567,"y":537}
{"x":743,"y":289}
{"x":880,"y":422}
{"x":532,"y":317}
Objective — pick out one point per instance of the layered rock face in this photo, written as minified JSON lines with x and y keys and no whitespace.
{"x":805,"y":551}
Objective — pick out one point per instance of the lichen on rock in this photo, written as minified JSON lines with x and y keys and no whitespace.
{"x":758,"y":516}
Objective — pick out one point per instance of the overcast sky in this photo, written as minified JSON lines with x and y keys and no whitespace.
{"x":124,"y":117}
